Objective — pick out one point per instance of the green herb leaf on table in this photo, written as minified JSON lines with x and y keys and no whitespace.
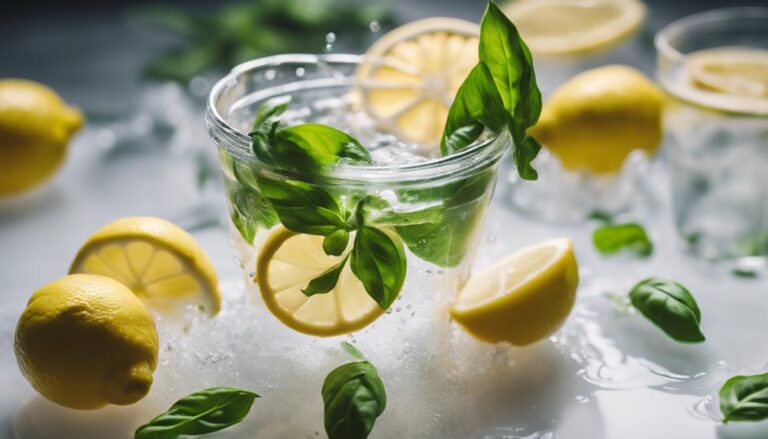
{"x":670,"y":306}
{"x":302,"y":207}
{"x":378,"y":260}
{"x":200,"y":413}
{"x":614,"y":238}
{"x":477,"y":106}
{"x":745,"y":398}
{"x":326,"y":281}
{"x":354,"y":397}
{"x":335,"y":243}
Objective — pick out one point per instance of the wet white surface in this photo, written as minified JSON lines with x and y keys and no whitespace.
{"x":606,"y":374}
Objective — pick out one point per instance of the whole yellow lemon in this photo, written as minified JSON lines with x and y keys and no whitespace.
{"x":597,"y":118}
{"x":35,"y":128}
{"x":85,"y":341}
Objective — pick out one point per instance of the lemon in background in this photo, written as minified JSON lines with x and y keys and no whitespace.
{"x":597,"y":118}
{"x":85,"y":341}
{"x":35,"y":128}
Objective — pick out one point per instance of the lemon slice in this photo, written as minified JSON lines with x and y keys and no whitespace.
{"x":409,"y":77}
{"x":523,"y":298}
{"x":288,"y":261}
{"x":734,"y":71}
{"x":570,"y":27}
{"x":156,"y":259}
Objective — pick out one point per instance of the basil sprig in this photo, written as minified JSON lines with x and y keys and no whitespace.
{"x":670,"y":306}
{"x":614,"y":238}
{"x":745,"y":398}
{"x":499,"y":93}
{"x":354,"y":397}
{"x":200,"y":413}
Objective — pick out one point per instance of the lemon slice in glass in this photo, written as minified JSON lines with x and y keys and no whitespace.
{"x":288,"y":261}
{"x":409,"y":77}
{"x":731,"y":70}
{"x":156,"y":259}
{"x":571,"y":27}
{"x":522,"y":298}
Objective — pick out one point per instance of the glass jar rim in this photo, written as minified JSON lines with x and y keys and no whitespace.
{"x":662,"y":40}
{"x":477,"y":156}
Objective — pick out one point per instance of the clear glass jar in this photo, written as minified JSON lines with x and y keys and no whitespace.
{"x":718,"y":142}
{"x":435,"y":208}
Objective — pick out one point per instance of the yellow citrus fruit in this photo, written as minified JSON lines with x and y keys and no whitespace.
{"x":156,"y":259}
{"x":35,"y":128}
{"x":572,"y":27}
{"x":410,"y":76}
{"x":522,"y":298}
{"x":85,"y":341}
{"x":597,"y":118}
{"x":288,"y":261}
{"x":736,"y":71}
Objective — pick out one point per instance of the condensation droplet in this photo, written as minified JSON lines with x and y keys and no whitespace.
{"x":300,"y":72}
{"x":330,"y":37}
{"x":374,"y":26}
{"x":270,"y":75}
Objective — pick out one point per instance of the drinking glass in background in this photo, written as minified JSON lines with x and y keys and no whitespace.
{"x":567,"y":38}
{"x":714,"y":68}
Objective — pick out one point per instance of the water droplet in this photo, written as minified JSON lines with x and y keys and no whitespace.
{"x":490,"y":239}
{"x":581,"y":399}
{"x":330,"y":37}
{"x":300,"y":72}
{"x":398,"y":309}
{"x":374,"y":26}
{"x":328,"y":48}
{"x":270,"y":74}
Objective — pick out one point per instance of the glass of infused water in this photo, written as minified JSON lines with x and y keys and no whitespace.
{"x":330,"y":251}
{"x":714,"y":68}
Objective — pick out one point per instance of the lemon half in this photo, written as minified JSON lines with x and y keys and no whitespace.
{"x":410,"y":76}
{"x":572,"y":27}
{"x":522,"y":298}
{"x":288,"y":261}
{"x":156,"y":259}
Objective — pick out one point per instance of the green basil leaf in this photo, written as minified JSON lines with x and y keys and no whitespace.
{"x":265,"y":125}
{"x":250,"y":210}
{"x":617,"y":237}
{"x":477,"y":106}
{"x":378,"y":261}
{"x":310,"y":146}
{"x":524,"y":154}
{"x":200,"y":413}
{"x":354,"y":397}
{"x":303,"y":207}
{"x":335,"y":243}
{"x":353,"y":351}
{"x":745,"y":398}
{"x":443,"y":235}
{"x":511,"y":66}
{"x":670,"y":306}
{"x":326,"y":281}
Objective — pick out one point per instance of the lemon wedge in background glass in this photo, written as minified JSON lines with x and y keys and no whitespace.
{"x":156,"y":259}
{"x":731,"y":70}
{"x":85,"y":341}
{"x":523,"y":298}
{"x":573,"y":27}
{"x":597,"y":118}
{"x":409,"y":77}
{"x":288,"y":261}
{"x":35,"y":128}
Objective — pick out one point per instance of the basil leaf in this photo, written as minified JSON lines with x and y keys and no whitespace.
{"x":670,"y":306}
{"x":265,"y":126}
{"x":352,"y":350}
{"x":302,"y":207}
{"x":446,"y":235}
{"x":250,"y":210}
{"x":477,"y":106}
{"x":745,"y":398}
{"x":511,"y":66}
{"x":335,"y":243}
{"x":354,"y":397}
{"x":614,"y":238}
{"x":310,"y":146}
{"x":200,"y":413}
{"x":524,"y":154}
{"x":326,"y":281}
{"x":378,"y":261}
